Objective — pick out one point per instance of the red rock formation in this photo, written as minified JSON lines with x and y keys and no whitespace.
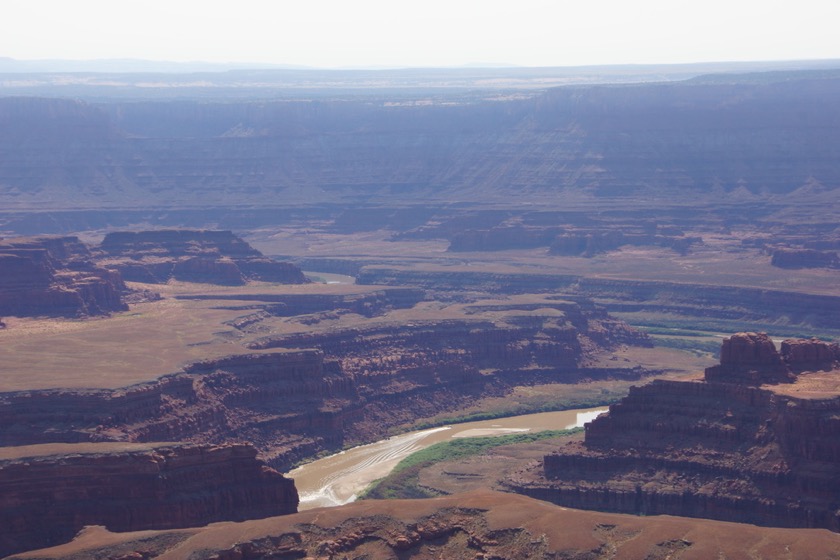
{"x":48,"y":493}
{"x":749,"y":358}
{"x":55,"y":276}
{"x":723,"y":449}
{"x":809,"y":354}
{"x":217,"y":257}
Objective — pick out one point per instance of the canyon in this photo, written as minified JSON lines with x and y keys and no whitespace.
{"x":304,"y":393}
{"x":172,"y":318}
{"x":295,"y":396}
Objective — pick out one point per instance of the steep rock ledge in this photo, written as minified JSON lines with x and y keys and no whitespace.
{"x":732,"y":447}
{"x":48,"y":493}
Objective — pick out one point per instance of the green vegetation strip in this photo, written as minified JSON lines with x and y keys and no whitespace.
{"x":403,"y":480}
{"x":655,"y":324}
{"x":697,"y":346}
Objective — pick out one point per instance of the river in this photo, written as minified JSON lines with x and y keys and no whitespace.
{"x":338,"y":479}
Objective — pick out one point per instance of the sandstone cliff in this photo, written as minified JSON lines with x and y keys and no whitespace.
{"x":55,"y":276}
{"x":215,"y":257}
{"x":731,"y":447}
{"x":48,"y":493}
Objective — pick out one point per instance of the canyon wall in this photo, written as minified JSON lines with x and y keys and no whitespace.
{"x":306,"y":392}
{"x":49,"y":493}
{"x":731,"y":447}
{"x":678,"y":139}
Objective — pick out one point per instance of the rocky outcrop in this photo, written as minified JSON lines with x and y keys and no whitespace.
{"x":214,"y":257}
{"x":725,"y":448}
{"x":56,"y":276}
{"x":48,"y":493}
{"x":809,"y":355}
{"x":749,"y":358}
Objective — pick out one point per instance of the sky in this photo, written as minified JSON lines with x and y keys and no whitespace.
{"x":442,"y":33}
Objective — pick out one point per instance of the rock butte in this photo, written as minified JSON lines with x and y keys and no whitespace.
{"x":744,"y":445}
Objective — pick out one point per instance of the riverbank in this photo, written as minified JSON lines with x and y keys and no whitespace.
{"x":340,"y":478}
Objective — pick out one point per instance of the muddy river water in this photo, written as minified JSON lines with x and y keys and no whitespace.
{"x":337,"y":479}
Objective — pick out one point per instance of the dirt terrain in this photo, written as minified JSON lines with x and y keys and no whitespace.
{"x":478,"y":524}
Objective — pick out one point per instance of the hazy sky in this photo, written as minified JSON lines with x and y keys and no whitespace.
{"x":358,"y":33}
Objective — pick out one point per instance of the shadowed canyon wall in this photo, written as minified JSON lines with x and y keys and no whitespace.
{"x":49,"y":493}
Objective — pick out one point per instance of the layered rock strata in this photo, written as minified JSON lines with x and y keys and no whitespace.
{"x":731,"y":447}
{"x":325,"y":390}
{"x":56,"y":276}
{"x":214,"y":257}
{"x":653,"y":140}
{"x":48,"y":493}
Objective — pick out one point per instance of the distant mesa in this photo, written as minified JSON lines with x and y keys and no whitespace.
{"x":212,"y":257}
{"x":569,"y":240}
{"x":63,"y":277}
{"x":758,"y":441}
